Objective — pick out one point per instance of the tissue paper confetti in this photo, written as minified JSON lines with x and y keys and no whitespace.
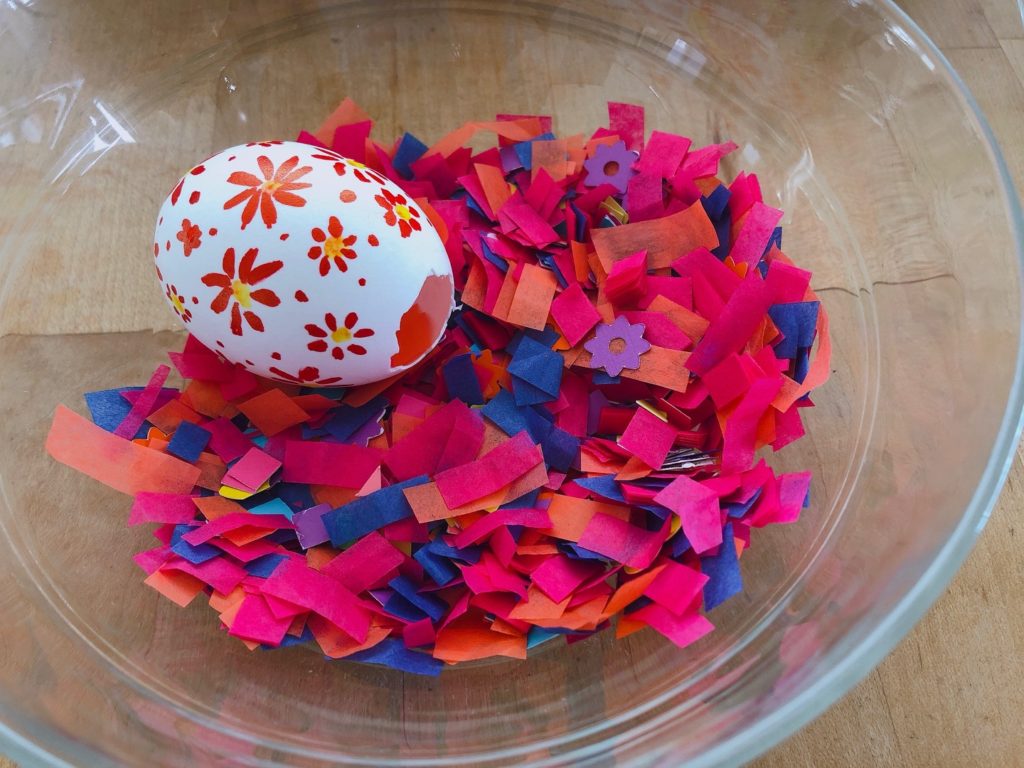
{"x":580,"y":449}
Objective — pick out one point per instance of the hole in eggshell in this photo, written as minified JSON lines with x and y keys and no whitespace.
{"x":422,"y":323}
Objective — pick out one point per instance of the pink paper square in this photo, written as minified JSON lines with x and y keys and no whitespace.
{"x":161,"y":508}
{"x":252,"y":470}
{"x":559,"y":575}
{"x":256,"y":623}
{"x":682,"y":630}
{"x":676,"y":586}
{"x":574,"y":313}
{"x":698,"y":509}
{"x":648,"y":438}
{"x":755,"y":233}
{"x":663,"y":154}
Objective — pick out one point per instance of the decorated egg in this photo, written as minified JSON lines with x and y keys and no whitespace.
{"x":302,"y":265}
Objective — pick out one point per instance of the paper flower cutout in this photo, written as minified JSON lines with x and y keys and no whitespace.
{"x":614,"y":357}
{"x":610,"y":165}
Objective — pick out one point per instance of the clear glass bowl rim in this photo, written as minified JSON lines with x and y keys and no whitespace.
{"x":844,"y":667}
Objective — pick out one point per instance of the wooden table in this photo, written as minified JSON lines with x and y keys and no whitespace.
{"x":952,"y":692}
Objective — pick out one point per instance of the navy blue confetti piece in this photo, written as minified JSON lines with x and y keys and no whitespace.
{"x":796,"y":322}
{"x":503,"y":412}
{"x":195,"y":553}
{"x":264,"y":566}
{"x":369,"y":513}
{"x":188,"y":441}
{"x":410,"y":149}
{"x":723,"y":572}
{"x":392,"y":653}
{"x":431,"y":605}
{"x":460,"y":378}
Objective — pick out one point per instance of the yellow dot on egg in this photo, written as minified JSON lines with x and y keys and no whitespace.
{"x":241,"y":293}
{"x":341,"y":335}
{"x":333,"y":247}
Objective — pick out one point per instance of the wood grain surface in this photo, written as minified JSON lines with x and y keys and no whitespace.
{"x":952,"y":692}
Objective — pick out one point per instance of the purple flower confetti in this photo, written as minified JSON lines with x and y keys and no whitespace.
{"x":610,"y":165}
{"x":604,"y":353}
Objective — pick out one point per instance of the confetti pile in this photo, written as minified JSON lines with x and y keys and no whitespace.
{"x":578,"y":450}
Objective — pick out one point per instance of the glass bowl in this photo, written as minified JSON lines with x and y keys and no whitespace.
{"x":895,"y":196}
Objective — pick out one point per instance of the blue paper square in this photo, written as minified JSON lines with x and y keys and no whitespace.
{"x":439,"y":568}
{"x":603,"y":485}
{"x":461,"y":381}
{"x":195,"y":553}
{"x":431,"y":605}
{"x":678,"y":545}
{"x":797,"y":323}
{"x":345,"y":420}
{"x":723,"y":570}
{"x":527,"y":394}
{"x":736,"y":509}
{"x":264,"y":566}
{"x":503,"y":412}
{"x":560,"y":449}
{"x":717,"y":202}
{"x":409,"y":150}
{"x":108,"y":408}
{"x":369,"y":513}
{"x":398,"y":606}
{"x":188,"y":441}
{"x":392,"y":652}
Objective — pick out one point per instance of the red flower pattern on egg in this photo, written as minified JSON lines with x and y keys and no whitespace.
{"x":276,"y":186}
{"x":190,"y":236}
{"x":308,"y":375}
{"x":338,"y":338}
{"x":236,"y":290}
{"x":334,"y":246}
{"x":360,"y":170}
{"x":178,"y":303}
{"x":398,"y":212}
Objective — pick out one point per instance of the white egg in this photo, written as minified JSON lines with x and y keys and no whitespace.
{"x":302,"y":265}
